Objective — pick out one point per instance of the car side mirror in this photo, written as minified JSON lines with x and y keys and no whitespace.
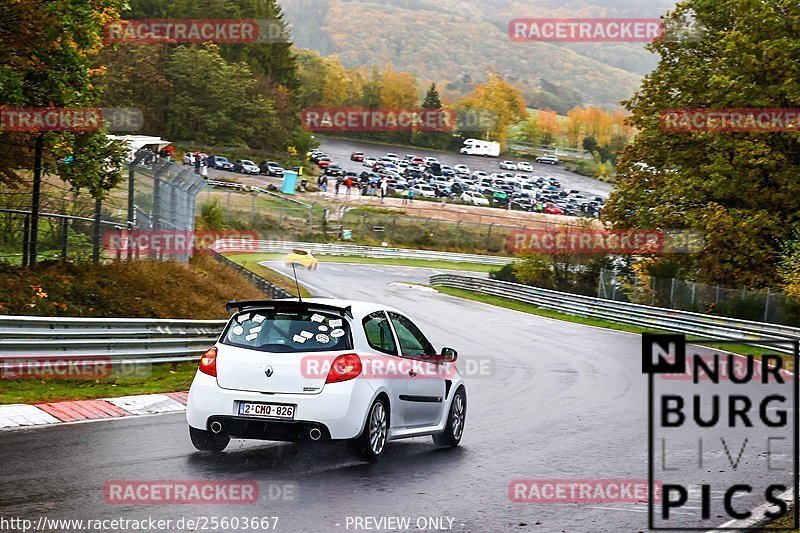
{"x":449,"y":354}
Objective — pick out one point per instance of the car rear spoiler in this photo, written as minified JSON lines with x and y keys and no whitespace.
{"x":288,"y":305}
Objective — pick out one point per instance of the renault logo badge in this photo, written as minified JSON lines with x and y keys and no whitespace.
{"x":269,"y":371}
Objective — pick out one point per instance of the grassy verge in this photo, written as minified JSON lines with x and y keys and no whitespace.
{"x":143,"y":380}
{"x":136,"y":289}
{"x":422,"y":263}
{"x":741,"y":349}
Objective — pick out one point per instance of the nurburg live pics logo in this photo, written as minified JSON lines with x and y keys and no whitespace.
{"x":725,"y":441}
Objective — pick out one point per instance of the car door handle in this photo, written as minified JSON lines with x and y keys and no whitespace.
{"x":412,"y":373}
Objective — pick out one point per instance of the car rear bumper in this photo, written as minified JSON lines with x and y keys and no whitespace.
{"x":339,"y":411}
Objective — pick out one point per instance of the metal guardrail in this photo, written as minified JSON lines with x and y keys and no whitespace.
{"x":38,"y":341}
{"x":659,"y":318}
{"x":234,"y":245}
{"x":121,"y":340}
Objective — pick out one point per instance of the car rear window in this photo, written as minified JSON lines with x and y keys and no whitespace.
{"x":288,"y":331}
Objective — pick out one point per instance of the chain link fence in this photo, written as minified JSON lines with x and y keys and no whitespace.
{"x":746,"y":304}
{"x":157,"y":195}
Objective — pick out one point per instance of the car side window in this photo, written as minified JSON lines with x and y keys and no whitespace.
{"x":412,"y":341}
{"x":379,"y":333}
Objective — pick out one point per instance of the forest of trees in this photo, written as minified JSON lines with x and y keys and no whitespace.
{"x":219,"y":94}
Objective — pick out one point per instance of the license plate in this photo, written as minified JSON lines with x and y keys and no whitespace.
{"x":267,"y":410}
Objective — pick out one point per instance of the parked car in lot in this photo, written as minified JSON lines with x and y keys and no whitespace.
{"x":524,"y":166}
{"x":334,"y":170}
{"x":324,"y":162}
{"x":219,"y":162}
{"x":552,"y":209}
{"x":548,"y":160}
{"x":245,"y":166}
{"x":508,"y":165}
{"x":430,"y":160}
{"x":271,"y":168}
{"x":474,"y":198}
{"x":369,"y":162}
{"x":357,"y":156}
{"x":418,"y":160}
{"x":317,"y":155}
{"x":375,"y":372}
{"x":462,"y":170}
{"x":423,"y":190}
{"x":478,"y":175}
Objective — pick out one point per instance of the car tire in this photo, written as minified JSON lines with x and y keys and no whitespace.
{"x":454,"y":429}
{"x":205,"y":441}
{"x":371,"y":444}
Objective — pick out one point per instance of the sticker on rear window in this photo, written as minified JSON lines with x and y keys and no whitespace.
{"x":299,"y":338}
{"x":322,"y":338}
{"x":242,"y":318}
{"x":252,"y":337}
{"x":238,"y":330}
{"x":317,"y":318}
{"x":258,"y":319}
{"x":306,"y":334}
{"x":256,"y":329}
{"x":323,"y":328}
{"x":335,"y":323}
{"x":337,"y":333}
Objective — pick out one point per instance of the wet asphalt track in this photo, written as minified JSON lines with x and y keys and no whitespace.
{"x":565,"y":401}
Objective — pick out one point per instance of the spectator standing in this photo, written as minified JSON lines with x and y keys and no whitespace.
{"x":384,"y":188}
{"x":348,"y":185}
{"x":203,"y":167}
{"x":197,"y":163}
{"x":336,"y":187}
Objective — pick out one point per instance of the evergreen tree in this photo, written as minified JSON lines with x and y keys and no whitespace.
{"x":432,"y":100}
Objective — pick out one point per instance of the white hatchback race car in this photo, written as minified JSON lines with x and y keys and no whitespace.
{"x":321,"y":370}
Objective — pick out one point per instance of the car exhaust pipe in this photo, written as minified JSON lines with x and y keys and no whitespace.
{"x":315,"y":434}
{"x":216,"y":427}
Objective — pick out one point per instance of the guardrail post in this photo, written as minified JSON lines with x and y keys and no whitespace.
{"x":253,"y":210}
{"x":280,"y":216}
{"x":489,"y":235}
{"x":766,"y":304}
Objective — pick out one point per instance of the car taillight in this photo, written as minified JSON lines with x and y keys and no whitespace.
{"x":344,"y":368}
{"x":208,"y":363}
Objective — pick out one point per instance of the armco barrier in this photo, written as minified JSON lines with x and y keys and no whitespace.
{"x":657,"y":318}
{"x":235,"y":245}
{"x":122,"y":340}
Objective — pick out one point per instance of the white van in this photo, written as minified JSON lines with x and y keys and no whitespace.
{"x":478,"y":147}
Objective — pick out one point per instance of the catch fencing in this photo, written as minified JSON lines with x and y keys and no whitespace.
{"x":157,"y":195}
